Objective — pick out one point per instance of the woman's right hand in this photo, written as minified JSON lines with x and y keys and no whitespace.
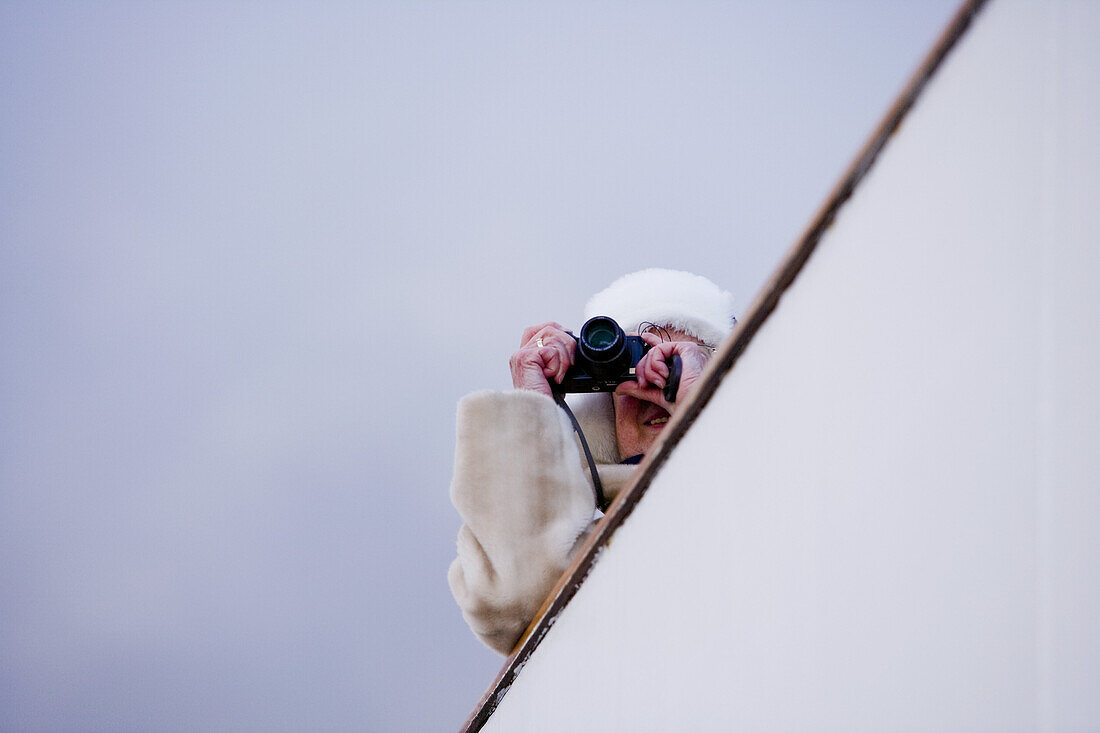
{"x":545,"y":352}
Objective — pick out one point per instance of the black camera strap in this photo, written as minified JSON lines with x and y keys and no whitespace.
{"x":672,"y":386}
{"x":601,"y":500}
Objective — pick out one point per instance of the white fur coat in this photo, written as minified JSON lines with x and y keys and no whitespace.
{"x":522,"y":488}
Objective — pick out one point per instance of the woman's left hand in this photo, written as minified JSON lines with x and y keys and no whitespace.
{"x":652,"y":369}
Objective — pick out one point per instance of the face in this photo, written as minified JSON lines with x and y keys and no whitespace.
{"x":641,"y":414}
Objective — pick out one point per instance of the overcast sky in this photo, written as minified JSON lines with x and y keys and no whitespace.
{"x":252,"y":253}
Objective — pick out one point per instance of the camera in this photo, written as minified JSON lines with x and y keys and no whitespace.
{"x":606,"y":357}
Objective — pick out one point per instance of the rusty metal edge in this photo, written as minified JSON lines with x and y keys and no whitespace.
{"x":723,"y":361}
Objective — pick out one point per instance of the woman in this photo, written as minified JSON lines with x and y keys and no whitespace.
{"x":521,"y":484}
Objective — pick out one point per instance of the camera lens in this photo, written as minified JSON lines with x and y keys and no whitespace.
{"x":602,"y":346}
{"x":600,"y":336}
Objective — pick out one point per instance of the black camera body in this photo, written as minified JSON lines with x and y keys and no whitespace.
{"x":606,"y":357}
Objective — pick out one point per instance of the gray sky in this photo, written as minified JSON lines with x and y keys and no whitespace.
{"x":252,"y":253}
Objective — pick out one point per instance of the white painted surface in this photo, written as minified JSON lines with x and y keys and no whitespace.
{"x":888,"y":518}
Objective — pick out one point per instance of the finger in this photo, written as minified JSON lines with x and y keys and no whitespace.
{"x":528,"y":335}
{"x":551,"y":335}
{"x":564,"y":347}
{"x":641,"y":370}
{"x":655,"y":370}
{"x":550,"y":359}
{"x":661,"y":356}
{"x":565,"y":360}
{"x":659,"y":351}
{"x":532,"y":333}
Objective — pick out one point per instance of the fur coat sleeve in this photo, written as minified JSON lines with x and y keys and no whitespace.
{"x":523,"y":492}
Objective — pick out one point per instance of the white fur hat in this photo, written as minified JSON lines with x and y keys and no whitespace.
{"x":670,"y":298}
